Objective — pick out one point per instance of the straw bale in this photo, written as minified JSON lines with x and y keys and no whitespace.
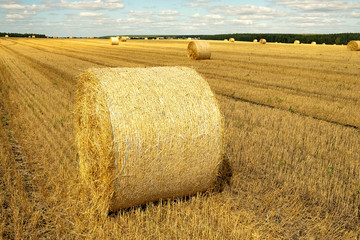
{"x":255,"y":40}
{"x":296,"y":42}
{"x":33,"y":36}
{"x":123,"y":39}
{"x":353,"y":45}
{"x":70,"y":37}
{"x":262,"y":41}
{"x":313,"y":43}
{"x":225,"y":40}
{"x":198,"y":50}
{"x":114,"y":41}
{"x":6,"y":35}
{"x":231,"y":39}
{"x":145,"y":134}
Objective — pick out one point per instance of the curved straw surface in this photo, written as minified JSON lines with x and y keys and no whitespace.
{"x":353,"y":46}
{"x":262,"y":41}
{"x":114,"y":40}
{"x":145,"y":134}
{"x":198,"y":50}
{"x":296,"y":42}
{"x":231,"y":39}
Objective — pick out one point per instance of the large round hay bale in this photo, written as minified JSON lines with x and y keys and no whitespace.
{"x":231,"y":39}
{"x":262,"y":41}
{"x":114,"y":41}
{"x":198,"y":50}
{"x":145,"y":134}
{"x":313,"y":43}
{"x":255,"y":40}
{"x":353,"y":46}
{"x":296,"y":42}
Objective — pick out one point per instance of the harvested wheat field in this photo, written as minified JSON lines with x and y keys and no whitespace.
{"x":292,"y":118}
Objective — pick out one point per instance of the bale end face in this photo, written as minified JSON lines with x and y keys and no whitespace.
{"x":199,"y":50}
{"x":353,"y":45}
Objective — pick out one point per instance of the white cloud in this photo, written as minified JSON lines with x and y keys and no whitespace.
{"x":242,"y":21}
{"x":192,"y":5}
{"x":203,"y":1}
{"x":90,"y":14}
{"x":140,"y":13}
{"x":167,"y":13}
{"x":324,"y":6}
{"x":12,"y":6}
{"x":244,"y":9}
{"x":14,"y":16}
{"x":355,"y":14}
{"x":90,"y":5}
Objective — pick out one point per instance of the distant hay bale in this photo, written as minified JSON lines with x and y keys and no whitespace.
{"x":231,"y":39}
{"x":33,"y":36}
{"x":123,"y":39}
{"x":353,"y":45}
{"x":6,"y":35}
{"x":324,"y":44}
{"x":199,"y":50}
{"x":91,"y":37}
{"x":55,"y":37}
{"x":70,"y":37}
{"x":189,"y":38}
{"x":146,"y":38}
{"x":145,"y":134}
{"x":313,"y":43}
{"x":262,"y":41}
{"x":114,"y":41}
{"x":225,"y":40}
{"x":255,"y":40}
{"x":296,"y":42}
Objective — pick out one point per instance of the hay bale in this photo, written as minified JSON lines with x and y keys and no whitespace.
{"x":255,"y":40}
{"x":296,"y":42}
{"x":313,"y":43}
{"x":262,"y":41}
{"x":225,"y":40}
{"x":70,"y":37}
{"x":6,"y":36}
{"x":146,"y":38}
{"x":231,"y":39}
{"x":114,"y":41}
{"x":145,"y":134}
{"x":33,"y":36}
{"x":198,"y":50}
{"x":123,"y":39}
{"x":353,"y":45}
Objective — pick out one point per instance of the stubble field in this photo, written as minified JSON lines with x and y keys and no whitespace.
{"x":292,"y":117}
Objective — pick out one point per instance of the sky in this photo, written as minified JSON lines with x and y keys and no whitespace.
{"x":165,"y":17}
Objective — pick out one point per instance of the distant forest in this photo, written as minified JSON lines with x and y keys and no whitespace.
{"x":338,"y":38}
{"x":2,"y":34}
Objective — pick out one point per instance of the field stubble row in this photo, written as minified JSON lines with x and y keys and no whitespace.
{"x":293,"y":176}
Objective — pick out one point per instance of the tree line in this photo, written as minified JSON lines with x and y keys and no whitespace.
{"x":2,"y":34}
{"x":338,"y":38}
